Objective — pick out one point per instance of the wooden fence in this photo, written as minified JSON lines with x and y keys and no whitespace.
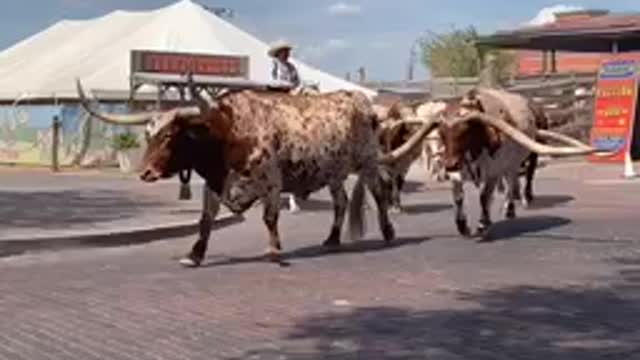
{"x":568,"y":99}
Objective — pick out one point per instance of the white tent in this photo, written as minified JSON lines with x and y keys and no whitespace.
{"x":97,"y":51}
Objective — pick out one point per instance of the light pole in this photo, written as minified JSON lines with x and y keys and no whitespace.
{"x":412,"y":59}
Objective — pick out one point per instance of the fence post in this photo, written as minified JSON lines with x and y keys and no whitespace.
{"x":55,"y":144}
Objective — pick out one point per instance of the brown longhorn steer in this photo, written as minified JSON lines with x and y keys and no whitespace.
{"x":252,"y":146}
{"x":395,"y":132}
{"x":486,"y":137}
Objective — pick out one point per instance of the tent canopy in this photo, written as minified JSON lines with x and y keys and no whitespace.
{"x":97,"y":51}
{"x":587,"y":34}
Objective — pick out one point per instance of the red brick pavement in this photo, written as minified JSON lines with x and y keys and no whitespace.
{"x":564,"y":285}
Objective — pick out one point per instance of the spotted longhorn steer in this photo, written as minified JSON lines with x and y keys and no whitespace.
{"x":251,"y":145}
{"x":487,"y":137}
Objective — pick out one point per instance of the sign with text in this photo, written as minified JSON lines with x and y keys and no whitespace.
{"x":615,"y":108}
{"x":182,"y":63}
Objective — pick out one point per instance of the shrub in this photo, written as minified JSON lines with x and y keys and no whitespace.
{"x":125,"y":141}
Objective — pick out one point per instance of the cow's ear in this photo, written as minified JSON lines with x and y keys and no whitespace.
{"x":394,"y":111}
{"x":478,"y":105}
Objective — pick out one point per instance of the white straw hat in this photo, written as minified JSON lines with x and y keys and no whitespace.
{"x":279,"y":45}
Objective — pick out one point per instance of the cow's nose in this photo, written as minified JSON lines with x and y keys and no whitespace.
{"x":148,"y":175}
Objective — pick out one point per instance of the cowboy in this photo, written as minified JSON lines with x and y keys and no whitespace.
{"x":284,"y":71}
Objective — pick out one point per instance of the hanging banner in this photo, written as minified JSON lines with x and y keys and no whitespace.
{"x":615,"y":108}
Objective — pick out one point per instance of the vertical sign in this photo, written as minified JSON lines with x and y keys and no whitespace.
{"x":615,"y":108}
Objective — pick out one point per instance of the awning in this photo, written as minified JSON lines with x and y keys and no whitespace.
{"x":595,"y":34}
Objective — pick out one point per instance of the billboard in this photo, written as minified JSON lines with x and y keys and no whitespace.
{"x":615,"y":108}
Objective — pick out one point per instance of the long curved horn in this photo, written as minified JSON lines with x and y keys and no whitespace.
{"x":551,"y":135}
{"x":117,"y":119}
{"x":414,"y":141}
{"x":187,"y":111}
{"x":529,"y":143}
{"x":411,"y":122}
{"x":130,"y":119}
{"x":202,"y":103}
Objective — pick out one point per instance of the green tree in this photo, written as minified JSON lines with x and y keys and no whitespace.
{"x":454,"y":54}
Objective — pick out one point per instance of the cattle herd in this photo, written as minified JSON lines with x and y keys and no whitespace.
{"x":253,"y":145}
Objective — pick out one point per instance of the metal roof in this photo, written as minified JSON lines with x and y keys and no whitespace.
{"x":582,"y":34}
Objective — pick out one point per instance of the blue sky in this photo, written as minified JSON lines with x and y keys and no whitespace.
{"x":335,"y":35}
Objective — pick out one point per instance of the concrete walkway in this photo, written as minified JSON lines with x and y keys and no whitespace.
{"x":41,"y":210}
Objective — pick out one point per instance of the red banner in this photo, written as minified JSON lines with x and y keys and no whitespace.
{"x":614,"y":109}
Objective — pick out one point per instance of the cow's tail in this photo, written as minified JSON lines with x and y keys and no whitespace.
{"x":357,"y":221}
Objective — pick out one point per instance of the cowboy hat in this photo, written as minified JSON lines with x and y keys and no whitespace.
{"x":277,"y":46}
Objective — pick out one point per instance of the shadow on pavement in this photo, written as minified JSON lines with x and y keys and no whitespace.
{"x":318,"y":251}
{"x":415,"y":209}
{"x":508,"y":229}
{"x":60,"y":209}
{"x":549,"y":201}
{"x":521,"y":322}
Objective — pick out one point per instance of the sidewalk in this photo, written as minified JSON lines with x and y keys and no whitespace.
{"x":40,"y":210}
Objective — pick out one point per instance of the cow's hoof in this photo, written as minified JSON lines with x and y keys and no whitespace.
{"x":463,"y":228}
{"x":190,"y":261}
{"x":482,"y":232}
{"x":527,"y":201}
{"x":389,"y":234}
{"x":274,"y":255}
{"x":332,"y":243}
{"x":510,"y":212}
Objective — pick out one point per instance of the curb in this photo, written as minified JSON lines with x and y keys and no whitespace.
{"x":102,"y":239}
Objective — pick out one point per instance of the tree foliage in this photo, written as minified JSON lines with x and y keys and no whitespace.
{"x":454,"y":54}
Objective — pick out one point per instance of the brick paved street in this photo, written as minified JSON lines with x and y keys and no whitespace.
{"x":560,"y":282}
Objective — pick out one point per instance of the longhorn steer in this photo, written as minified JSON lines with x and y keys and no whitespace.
{"x":395,"y":132}
{"x":530,"y":164}
{"x":252,"y":145}
{"x":392,"y":135}
{"x":491,"y":134}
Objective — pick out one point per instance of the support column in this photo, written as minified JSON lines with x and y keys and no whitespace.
{"x":489,"y":72}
